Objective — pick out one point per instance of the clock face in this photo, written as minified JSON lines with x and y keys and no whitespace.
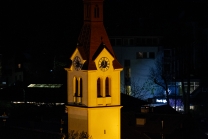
{"x":104,"y":64}
{"x":77,"y":63}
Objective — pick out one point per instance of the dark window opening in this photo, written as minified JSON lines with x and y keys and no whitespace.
{"x":125,"y":42}
{"x":138,"y":41}
{"x":131,"y":42}
{"x":20,"y":77}
{"x":167,"y":53}
{"x":144,"y":54}
{"x":96,"y":12}
{"x":118,"y":41}
{"x":152,"y":55}
{"x":80,"y":88}
{"x":98,"y":88}
{"x":149,"y":41}
{"x":88,"y":11}
{"x":167,"y":68}
{"x":127,"y":63}
{"x":76,"y":88}
{"x":143,"y":41}
{"x":155,"y":41}
{"x":113,"y":42}
{"x":107,"y":91}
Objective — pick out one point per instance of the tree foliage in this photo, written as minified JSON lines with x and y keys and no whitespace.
{"x":142,"y":90}
{"x":160,"y":76}
{"x":72,"y":134}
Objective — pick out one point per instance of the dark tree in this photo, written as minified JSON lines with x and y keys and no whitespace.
{"x":161,"y":75}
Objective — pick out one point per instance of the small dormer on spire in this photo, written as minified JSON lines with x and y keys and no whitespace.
{"x":93,"y":10}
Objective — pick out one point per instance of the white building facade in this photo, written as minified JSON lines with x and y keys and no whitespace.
{"x":137,"y":55}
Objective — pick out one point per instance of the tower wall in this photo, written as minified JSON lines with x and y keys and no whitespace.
{"x":104,"y":123}
{"x":77,"y":119}
{"x":99,"y":123}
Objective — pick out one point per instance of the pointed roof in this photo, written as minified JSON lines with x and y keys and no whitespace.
{"x":93,"y":35}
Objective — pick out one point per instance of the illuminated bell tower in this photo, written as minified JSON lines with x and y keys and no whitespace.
{"x":93,"y":79}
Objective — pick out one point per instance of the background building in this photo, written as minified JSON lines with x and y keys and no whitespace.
{"x":137,"y":54}
{"x":11,"y":69}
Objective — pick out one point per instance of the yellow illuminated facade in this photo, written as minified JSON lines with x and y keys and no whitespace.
{"x":94,"y":99}
{"x":93,"y":79}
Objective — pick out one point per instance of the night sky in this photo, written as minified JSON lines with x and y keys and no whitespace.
{"x":45,"y":26}
{"x":51,"y":25}
{"x":42,"y":30}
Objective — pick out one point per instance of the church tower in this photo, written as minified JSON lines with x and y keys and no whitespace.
{"x":93,"y":79}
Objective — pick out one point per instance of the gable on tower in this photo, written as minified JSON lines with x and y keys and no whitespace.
{"x":99,"y":49}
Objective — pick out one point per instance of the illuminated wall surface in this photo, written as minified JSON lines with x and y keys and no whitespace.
{"x":100,"y":123}
{"x":99,"y":116}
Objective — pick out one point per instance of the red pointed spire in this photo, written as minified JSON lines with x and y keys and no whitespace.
{"x":93,"y":34}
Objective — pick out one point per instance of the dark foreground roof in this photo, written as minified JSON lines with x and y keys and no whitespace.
{"x":164,"y":109}
{"x":131,"y":103}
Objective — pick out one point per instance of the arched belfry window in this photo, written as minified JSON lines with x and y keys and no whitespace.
{"x":107,"y":87}
{"x":99,"y":88}
{"x":88,"y":11}
{"x":80,"y":87}
{"x":96,"y":11}
{"x":76,"y":87}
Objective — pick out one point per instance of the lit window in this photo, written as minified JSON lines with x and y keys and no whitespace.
{"x":128,"y":90}
{"x":192,"y":107}
{"x":140,"y":55}
{"x":19,"y":66}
